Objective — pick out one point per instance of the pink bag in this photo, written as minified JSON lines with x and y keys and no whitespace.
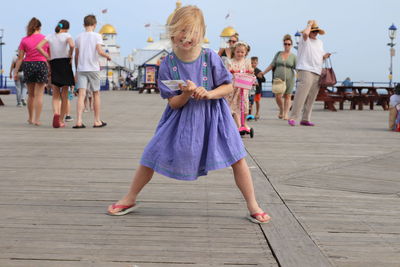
{"x":243,"y":80}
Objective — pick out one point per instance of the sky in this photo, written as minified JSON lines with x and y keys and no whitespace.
{"x":357,"y":30}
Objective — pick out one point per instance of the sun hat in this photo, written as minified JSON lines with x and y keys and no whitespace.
{"x":314,"y":27}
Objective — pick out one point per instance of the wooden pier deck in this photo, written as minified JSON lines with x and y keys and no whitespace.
{"x":333,"y":192}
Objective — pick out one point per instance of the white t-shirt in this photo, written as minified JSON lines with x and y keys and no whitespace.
{"x":394,"y":100}
{"x":58,"y":43}
{"x":88,"y":59}
{"x":310,"y":55}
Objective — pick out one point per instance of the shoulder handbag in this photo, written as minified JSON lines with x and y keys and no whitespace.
{"x":279,"y":86}
{"x":328,"y":77}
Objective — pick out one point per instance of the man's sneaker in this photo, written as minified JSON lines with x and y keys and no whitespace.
{"x":23,"y":102}
{"x":68,"y":118}
{"x":19,"y":105}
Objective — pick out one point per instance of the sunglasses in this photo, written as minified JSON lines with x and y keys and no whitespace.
{"x":287,"y":44}
{"x":315,"y":31}
{"x":232,"y":41}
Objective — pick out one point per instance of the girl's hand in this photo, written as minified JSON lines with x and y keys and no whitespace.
{"x":201,"y":93}
{"x":16,"y":78}
{"x":260,"y":74}
{"x":189,"y":88}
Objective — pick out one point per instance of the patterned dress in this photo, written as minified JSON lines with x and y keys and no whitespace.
{"x":243,"y":66}
{"x":200,"y":136}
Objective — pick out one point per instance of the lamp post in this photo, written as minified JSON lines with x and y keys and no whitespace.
{"x":1,"y":57}
{"x":392,"y":36}
{"x":297,"y":39}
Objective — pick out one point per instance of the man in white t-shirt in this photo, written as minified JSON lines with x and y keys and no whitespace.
{"x":87,"y":51}
{"x":310,"y":57}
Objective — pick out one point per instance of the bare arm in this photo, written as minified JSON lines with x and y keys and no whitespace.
{"x":217,"y":93}
{"x":71,"y":47}
{"x":307,"y":30}
{"x":101,"y":52}
{"x":220,"y":91}
{"x":76,"y":57}
{"x":179,"y":101}
{"x":21,"y":55}
{"x":39,"y":48}
{"x":268,"y":69}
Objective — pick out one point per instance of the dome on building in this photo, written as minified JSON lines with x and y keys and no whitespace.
{"x":206,"y":41}
{"x":228,"y":32}
{"x":107,"y":29}
{"x":178,"y":6}
{"x":150,"y":39}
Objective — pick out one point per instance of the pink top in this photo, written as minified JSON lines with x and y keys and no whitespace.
{"x":29,"y":43}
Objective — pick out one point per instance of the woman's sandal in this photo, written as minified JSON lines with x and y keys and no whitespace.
{"x":253,"y":217}
{"x":125,"y":209}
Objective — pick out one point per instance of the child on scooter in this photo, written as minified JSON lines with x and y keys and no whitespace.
{"x":239,"y":64}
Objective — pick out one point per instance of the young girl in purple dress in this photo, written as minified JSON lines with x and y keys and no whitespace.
{"x":196,"y":133}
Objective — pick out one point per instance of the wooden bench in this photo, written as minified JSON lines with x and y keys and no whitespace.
{"x":330,"y":98}
{"x":371,"y":96}
{"x":4,"y":92}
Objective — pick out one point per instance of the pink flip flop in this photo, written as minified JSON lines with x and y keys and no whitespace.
{"x":253,"y":217}
{"x":125,"y":209}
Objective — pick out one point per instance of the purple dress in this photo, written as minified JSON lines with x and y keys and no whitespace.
{"x":200,"y":136}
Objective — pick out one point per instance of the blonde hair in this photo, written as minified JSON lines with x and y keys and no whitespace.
{"x":243,"y":44}
{"x":288,"y":37}
{"x":191,"y":19}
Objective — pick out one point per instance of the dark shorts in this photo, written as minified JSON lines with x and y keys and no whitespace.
{"x":35,"y":72}
{"x":251,"y":99}
{"x":61,"y":72}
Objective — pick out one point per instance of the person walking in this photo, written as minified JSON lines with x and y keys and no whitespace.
{"x":196,"y":133}
{"x":35,"y":69}
{"x":87,"y":51}
{"x":283,"y":66}
{"x":60,"y":59}
{"x":310,"y":58}
{"x":20,"y":85}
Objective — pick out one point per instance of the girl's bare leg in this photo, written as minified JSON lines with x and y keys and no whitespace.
{"x":244,"y":182}
{"x":31,"y":97}
{"x":38,"y":102}
{"x":56,"y":100}
{"x":64,"y":103}
{"x":142,"y":176}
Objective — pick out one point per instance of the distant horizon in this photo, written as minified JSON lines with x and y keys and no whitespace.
{"x":360,"y":42}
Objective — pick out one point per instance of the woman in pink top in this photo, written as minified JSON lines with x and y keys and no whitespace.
{"x":35,"y":69}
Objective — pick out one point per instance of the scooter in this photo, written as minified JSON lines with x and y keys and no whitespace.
{"x":244,"y":81}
